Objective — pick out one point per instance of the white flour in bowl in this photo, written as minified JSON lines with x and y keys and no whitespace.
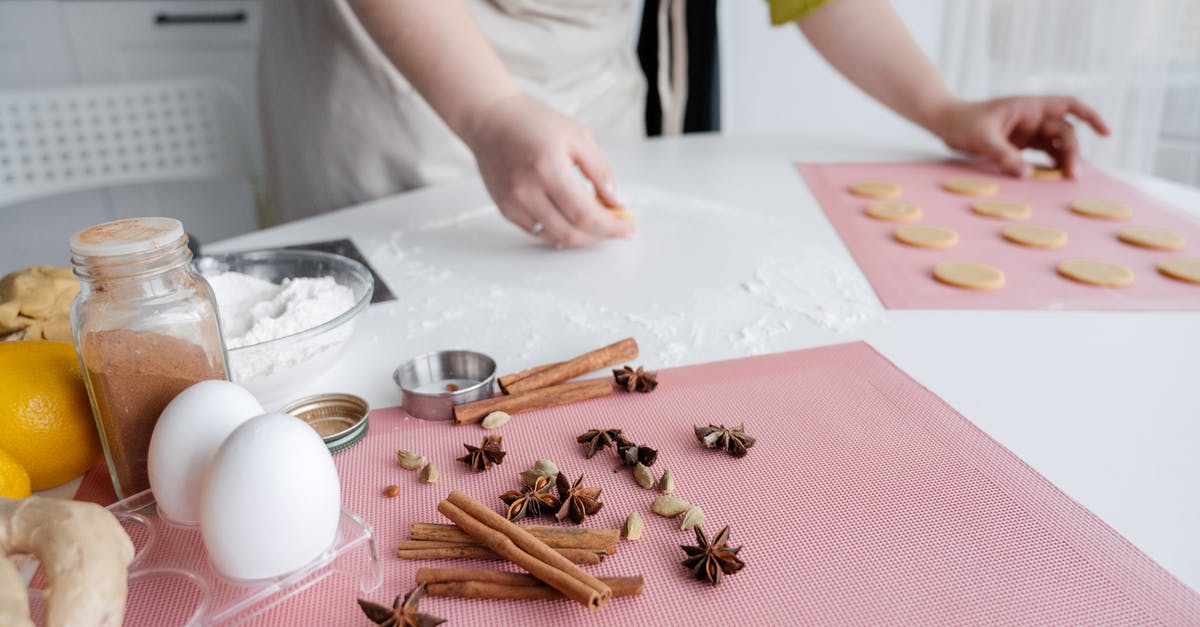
{"x":253,"y":311}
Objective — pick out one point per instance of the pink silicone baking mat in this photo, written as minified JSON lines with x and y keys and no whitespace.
{"x":902,"y":275}
{"x":866,"y":500}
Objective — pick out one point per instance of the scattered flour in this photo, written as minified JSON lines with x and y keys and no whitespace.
{"x":253,"y":311}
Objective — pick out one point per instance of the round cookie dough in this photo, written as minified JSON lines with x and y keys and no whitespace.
{"x":1035,"y":236}
{"x":876,"y":189}
{"x":926,"y":236}
{"x":1102,"y":209}
{"x":968,"y":186}
{"x":1181,"y":268}
{"x":894,"y":211}
{"x":1150,"y":237}
{"x":1096,"y":272}
{"x":972,"y":276}
{"x":1002,"y":209}
{"x":1044,"y":173}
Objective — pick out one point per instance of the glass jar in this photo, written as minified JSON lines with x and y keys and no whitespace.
{"x":146,"y":328}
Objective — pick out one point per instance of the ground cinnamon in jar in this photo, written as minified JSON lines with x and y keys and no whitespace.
{"x":133,"y":375}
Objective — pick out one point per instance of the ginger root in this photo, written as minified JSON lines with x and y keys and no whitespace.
{"x":35,"y":304}
{"x":84,"y":552}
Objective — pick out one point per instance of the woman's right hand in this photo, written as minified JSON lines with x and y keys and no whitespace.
{"x":528,"y":155}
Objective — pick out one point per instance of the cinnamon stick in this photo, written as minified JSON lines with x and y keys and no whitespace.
{"x":519,"y":547}
{"x":447,"y":550}
{"x":508,"y":379}
{"x":555,"y":537}
{"x":611,"y":355}
{"x":494,"y":584}
{"x":542,"y":398}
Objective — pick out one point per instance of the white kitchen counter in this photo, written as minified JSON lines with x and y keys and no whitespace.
{"x":733,"y":257}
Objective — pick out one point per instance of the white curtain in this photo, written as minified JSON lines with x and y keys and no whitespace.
{"x":1129,"y":59}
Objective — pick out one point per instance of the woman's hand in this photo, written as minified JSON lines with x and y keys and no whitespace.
{"x":528,"y":155}
{"x":999,"y":129}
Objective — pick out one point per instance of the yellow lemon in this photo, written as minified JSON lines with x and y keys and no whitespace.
{"x":45,"y":418}
{"x":14,"y":481}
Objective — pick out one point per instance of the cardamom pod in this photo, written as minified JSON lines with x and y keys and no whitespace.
{"x":666,"y":483}
{"x":693,"y":518}
{"x":409,"y":460}
{"x":429,"y":474}
{"x":495,"y":420}
{"x":541,"y":468}
{"x":632,"y":529}
{"x":643,"y":476}
{"x":669,"y":506}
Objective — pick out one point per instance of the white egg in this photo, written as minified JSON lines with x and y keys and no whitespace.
{"x":271,"y":502}
{"x":188,"y":433}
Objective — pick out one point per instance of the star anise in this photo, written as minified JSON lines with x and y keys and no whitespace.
{"x":401,"y":613}
{"x":707,"y":560}
{"x":733,"y":440}
{"x":630,"y":454}
{"x":578,"y":502}
{"x":531,"y":501}
{"x":599,"y":439}
{"x":482,"y":457}
{"x":636,"y":380}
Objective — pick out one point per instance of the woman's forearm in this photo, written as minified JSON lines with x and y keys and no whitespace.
{"x":868,"y":43}
{"x":441,"y":51}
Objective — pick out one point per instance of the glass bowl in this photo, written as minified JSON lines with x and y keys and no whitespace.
{"x":279,"y":370}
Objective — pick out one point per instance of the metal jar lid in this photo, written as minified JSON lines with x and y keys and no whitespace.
{"x":340,"y":419}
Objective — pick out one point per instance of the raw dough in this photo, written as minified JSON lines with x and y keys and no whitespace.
{"x":1003,"y":209}
{"x":926,"y":236}
{"x":1044,"y":173}
{"x":1035,"y":236}
{"x":894,"y":211}
{"x":1103,"y":209}
{"x":1096,"y":272}
{"x":968,"y":186}
{"x":1149,"y":237}
{"x":1181,"y":268}
{"x":876,"y":189}
{"x":972,"y":276}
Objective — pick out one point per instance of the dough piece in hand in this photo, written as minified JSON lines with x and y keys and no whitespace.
{"x":1096,"y":272}
{"x":972,"y":276}
{"x":1003,"y":209}
{"x":926,"y":236}
{"x":876,"y":189}
{"x":1181,"y":268}
{"x":85,"y":554}
{"x":1149,"y":237}
{"x":1035,"y":236}
{"x":969,"y":186}
{"x":894,"y":211}
{"x":1045,"y":173}
{"x":1102,"y":209}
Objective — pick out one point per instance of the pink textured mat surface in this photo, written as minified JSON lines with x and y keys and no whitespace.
{"x":867,"y":500}
{"x":902,"y":275}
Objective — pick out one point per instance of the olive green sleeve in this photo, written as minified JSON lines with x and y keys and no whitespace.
{"x":784,"y":11}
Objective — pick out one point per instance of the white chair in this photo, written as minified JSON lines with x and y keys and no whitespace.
{"x":86,"y":136}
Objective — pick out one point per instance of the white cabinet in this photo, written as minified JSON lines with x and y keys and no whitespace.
{"x":57,"y":42}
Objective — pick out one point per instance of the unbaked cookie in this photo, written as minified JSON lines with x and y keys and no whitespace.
{"x":968,"y":186}
{"x":1003,"y":209}
{"x":1150,"y":237}
{"x":876,"y":189}
{"x":1103,"y":209}
{"x":1181,"y":268}
{"x":972,"y":276}
{"x":894,"y":211}
{"x":1096,"y":272}
{"x":1035,"y":236}
{"x":926,"y":236}
{"x":1043,"y":173}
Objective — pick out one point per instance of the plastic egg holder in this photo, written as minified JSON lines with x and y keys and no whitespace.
{"x":172,"y":581}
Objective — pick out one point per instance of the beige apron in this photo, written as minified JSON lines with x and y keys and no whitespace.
{"x":342,"y":126}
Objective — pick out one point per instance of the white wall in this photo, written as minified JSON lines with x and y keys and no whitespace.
{"x":774,"y":83}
